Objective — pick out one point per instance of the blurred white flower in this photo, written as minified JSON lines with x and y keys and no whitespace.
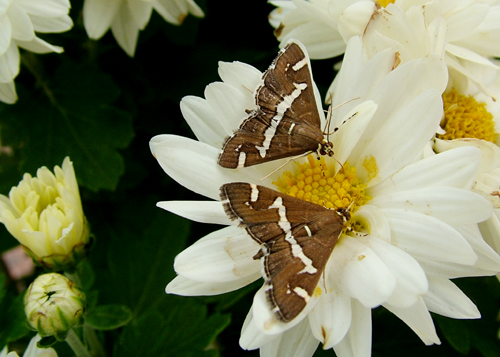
{"x":19,"y":20}
{"x":44,"y":213}
{"x":32,"y":350}
{"x":127,"y":17}
{"x":420,"y":222}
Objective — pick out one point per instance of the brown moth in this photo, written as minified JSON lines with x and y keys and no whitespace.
{"x":296,"y":237}
{"x":286,"y":122}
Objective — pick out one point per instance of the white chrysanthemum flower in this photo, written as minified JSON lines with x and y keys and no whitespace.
{"x":466,"y":35}
{"x":472,"y":118}
{"x":19,"y":20}
{"x":44,"y":213}
{"x":126,"y":18}
{"x":316,"y":23}
{"x":32,"y":350}
{"x":419,"y":222}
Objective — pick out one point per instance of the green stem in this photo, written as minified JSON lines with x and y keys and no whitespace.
{"x":93,"y":342}
{"x":76,"y":345}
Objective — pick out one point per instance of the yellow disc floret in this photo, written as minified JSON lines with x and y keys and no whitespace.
{"x":313,"y":181}
{"x":464,"y":117}
{"x":384,"y":3}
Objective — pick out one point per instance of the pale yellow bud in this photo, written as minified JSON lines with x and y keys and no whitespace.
{"x":44,"y":213}
{"x":53,"y":305}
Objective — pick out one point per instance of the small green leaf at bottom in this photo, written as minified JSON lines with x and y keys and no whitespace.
{"x":108,"y":317}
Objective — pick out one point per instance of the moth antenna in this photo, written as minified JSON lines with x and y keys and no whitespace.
{"x":329,"y":118}
{"x":248,"y":89}
{"x":287,"y":161}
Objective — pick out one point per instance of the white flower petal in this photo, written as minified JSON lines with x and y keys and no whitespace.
{"x":490,"y":153}
{"x":9,"y":64}
{"x":411,"y":281}
{"x":448,"y":204}
{"x":371,"y":218}
{"x":125,"y":31}
{"x":229,"y":104}
{"x":186,"y":287}
{"x":488,"y":258}
{"x":198,"y":211}
{"x":241,"y":76}
{"x":419,"y":320}
{"x":360,"y":272}
{"x":408,"y":130}
{"x":190,"y":162}
{"x":358,"y":341}
{"x":5,"y":33}
{"x":445,"y":298}
{"x":295,"y":342}
{"x":48,"y":8}
{"x":22,"y":28}
{"x":55,"y":25}
{"x":265,"y":319}
{"x":455,"y":168}
{"x":451,"y":270}
{"x":221,"y":256}
{"x":354,"y":19}
{"x":202,"y":120}
{"x":331,"y":318}
{"x":98,"y":16}
{"x":252,"y":337}
{"x":38,"y":45}
{"x":140,"y":12}
{"x":427,"y":237}
{"x":353,"y":126}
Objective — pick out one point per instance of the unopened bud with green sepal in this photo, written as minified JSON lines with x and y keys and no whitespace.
{"x":53,"y":305}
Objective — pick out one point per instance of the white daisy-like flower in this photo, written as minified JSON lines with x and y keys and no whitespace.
{"x":126,"y":18}
{"x":32,"y":350}
{"x":316,"y":23}
{"x":465,"y":34}
{"x":19,"y":20}
{"x":418,"y":218}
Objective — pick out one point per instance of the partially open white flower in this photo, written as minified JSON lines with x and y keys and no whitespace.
{"x":44,"y":213}
{"x":19,"y":20}
{"x":32,"y":350}
{"x":126,"y":18}
{"x":419,"y":223}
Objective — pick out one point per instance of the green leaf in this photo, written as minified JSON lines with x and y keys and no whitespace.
{"x":181,"y":328}
{"x":12,"y":318}
{"x":71,"y":116}
{"x":108,"y":317}
{"x":455,"y":332}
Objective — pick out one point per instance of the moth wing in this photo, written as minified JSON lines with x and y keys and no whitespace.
{"x":286,"y":122}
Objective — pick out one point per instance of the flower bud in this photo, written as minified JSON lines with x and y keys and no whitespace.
{"x":53,"y":304}
{"x":44,"y":213}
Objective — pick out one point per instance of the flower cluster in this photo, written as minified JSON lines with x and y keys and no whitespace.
{"x":400,"y":201}
{"x":19,"y":21}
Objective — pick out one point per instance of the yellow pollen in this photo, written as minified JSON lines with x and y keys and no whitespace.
{"x":384,"y":3}
{"x":313,"y":181}
{"x":317,"y":292}
{"x":464,"y":117}
{"x":370,"y":165}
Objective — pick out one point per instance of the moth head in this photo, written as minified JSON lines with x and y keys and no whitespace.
{"x":325,"y":148}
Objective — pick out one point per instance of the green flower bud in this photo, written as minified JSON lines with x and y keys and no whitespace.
{"x":44,"y":213}
{"x":53,"y":304}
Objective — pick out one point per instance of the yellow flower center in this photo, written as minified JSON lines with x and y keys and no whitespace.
{"x":313,"y":181}
{"x":464,"y":117}
{"x":384,"y":3}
